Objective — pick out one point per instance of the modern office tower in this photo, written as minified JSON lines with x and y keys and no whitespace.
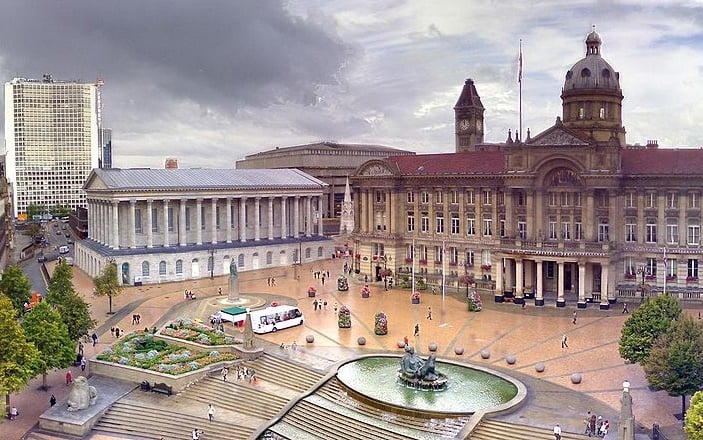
{"x":105,"y":148}
{"x":51,"y":142}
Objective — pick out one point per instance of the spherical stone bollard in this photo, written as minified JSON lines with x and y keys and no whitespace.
{"x":401,"y":344}
{"x":576,"y":378}
{"x":539,"y":367}
{"x":510,"y":359}
{"x":485,"y":354}
{"x":458,"y":351}
{"x":432,"y":346}
{"x":362,"y":340}
{"x":310,"y":339}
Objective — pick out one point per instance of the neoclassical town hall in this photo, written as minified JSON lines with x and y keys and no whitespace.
{"x":162,"y":225}
{"x":573,"y":213}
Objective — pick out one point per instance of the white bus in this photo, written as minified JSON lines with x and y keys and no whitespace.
{"x":272,"y":319}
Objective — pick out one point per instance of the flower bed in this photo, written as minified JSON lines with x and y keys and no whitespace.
{"x":415,"y":298}
{"x":344,"y":317}
{"x":192,"y":331}
{"x":380,"y":324}
{"x":142,"y":350}
{"x":475,"y":302}
{"x":365,"y":292}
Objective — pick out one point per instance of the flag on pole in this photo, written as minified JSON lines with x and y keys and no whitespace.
{"x":666,"y":261}
{"x":519,"y":62}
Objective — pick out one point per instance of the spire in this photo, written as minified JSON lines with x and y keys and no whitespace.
{"x":346,"y":220}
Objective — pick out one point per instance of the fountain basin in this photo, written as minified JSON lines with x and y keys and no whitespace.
{"x":374,"y":380}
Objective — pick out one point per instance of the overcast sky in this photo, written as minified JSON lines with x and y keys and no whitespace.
{"x":210,"y":81}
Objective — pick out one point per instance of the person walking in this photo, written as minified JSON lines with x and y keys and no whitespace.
{"x":557,"y":432}
{"x":69,"y":377}
{"x":225,"y":370}
{"x":574,"y":319}
{"x":52,"y":400}
{"x":563,"y":341}
{"x":94,"y":337}
{"x":624,"y":309}
{"x":210,"y":412}
{"x":417,"y":329}
{"x":429,"y":313}
{"x":83,"y":364}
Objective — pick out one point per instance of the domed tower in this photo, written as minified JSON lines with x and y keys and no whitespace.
{"x":592,"y":98}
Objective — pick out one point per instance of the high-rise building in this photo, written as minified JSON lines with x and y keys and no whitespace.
{"x":105,"y":148}
{"x":51,"y":142}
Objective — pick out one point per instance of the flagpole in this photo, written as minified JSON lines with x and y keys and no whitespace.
{"x":413,"y":275}
{"x":444,"y":270}
{"x":519,"y":80}
{"x":666,"y":270}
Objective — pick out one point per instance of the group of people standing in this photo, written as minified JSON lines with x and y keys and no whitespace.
{"x":241,"y":372}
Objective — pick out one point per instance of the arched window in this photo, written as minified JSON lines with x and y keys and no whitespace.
{"x":145,"y":268}
{"x":240,"y":260}
{"x":269,"y":258}
{"x":179,"y":267}
{"x":319,"y":251}
{"x":210,"y":263}
{"x":162,"y":268}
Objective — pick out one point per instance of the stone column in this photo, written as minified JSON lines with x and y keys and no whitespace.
{"x":182,"y":239}
{"x":270,"y":219}
{"x":132,"y":223}
{"x":519,"y":282}
{"x":582,"y":285}
{"x":213,"y":221}
{"x":308,"y":216}
{"x":233,"y":283}
{"x":248,"y":342}
{"x":539,"y":295}
{"x":561,"y":302}
{"x":166,"y":238}
{"x":149,"y":220}
{"x":626,"y":423}
{"x":257,"y":218}
{"x":243,"y":219}
{"x":115,"y":224}
{"x":296,"y":217}
{"x":499,"y":279}
{"x":604,"y":293}
{"x":284,"y":217}
{"x":198,"y":221}
{"x":228,"y":221}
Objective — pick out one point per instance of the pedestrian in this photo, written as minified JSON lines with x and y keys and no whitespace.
{"x":273,"y":281}
{"x":324,"y":304}
{"x":405,"y":340}
{"x":117,"y":332}
{"x":82,"y":364}
{"x":323,"y":280}
{"x":219,"y":290}
{"x":417,"y":329}
{"x":52,"y":400}
{"x":314,"y":304}
{"x":574,"y":318}
{"x":112,"y":331}
{"x":624,"y":308}
{"x":80,"y":348}
{"x":94,"y":337}
{"x":14,"y":413}
{"x":225,"y":370}
{"x":139,"y":317}
{"x":366,"y":278}
{"x":210,"y":412}
{"x":429,"y":313}
{"x":335,"y":307}
{"x":69,"y":377}
{"x":604,"y":428}
{"x":195,"y":435}
{"x":294,"y":345}
{"x":563,"y":341}
{"x":557,"y":432}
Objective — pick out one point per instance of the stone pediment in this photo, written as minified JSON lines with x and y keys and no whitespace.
{"x":94,"y":182}
{"x":376,"y":169}
{"x":558,"y":136}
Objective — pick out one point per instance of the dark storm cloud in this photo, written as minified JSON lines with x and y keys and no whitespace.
{"x":219,"y":52}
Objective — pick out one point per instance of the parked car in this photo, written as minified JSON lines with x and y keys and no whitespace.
{"x":63,"y":250}
{"x":69,"y":241}
{"x":41,"y":259}
{"x":67,"y":235}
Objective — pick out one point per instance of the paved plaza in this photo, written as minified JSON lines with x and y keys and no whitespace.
{"x":531,"y":334}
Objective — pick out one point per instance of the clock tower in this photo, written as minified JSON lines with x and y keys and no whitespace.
{"x":468,"y":118}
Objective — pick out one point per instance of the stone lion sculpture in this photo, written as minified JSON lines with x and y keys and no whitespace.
{"x":82,"y":394}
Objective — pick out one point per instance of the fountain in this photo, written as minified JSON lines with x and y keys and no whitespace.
{"x":420,"y":390}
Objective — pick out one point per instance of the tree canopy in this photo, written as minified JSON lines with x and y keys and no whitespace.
{"x":694,"y":418}
{"x":19,"y":359}
{"x":16,"y":286}
{"x":74,"y":311}
{"x":44,"y":327}
{"x":107,"y":283}
{"x":651,"y":319}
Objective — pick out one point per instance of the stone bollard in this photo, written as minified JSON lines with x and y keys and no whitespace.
{"x":310,"y":339}
{"x":511,"y":359}
{"x":432,"y":347}
{"x":576,"y":378}
{"x":539,"y":367}
{"x":458,"y":351}
{"x":485,"y":354}
{"x":362,"y":340}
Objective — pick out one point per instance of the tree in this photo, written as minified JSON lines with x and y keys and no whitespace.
{"x":651,"y":319}
{"x":16,"y":286}
{"x":675,"y":362}
{"x":107,"y":283}
{"x":35,"y":209}
{"x":694,"y":418}
{"x":74,"y":311}
{"x":19,"y":358}
{"x":44,"y":327}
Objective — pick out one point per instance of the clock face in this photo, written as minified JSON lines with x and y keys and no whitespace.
{"x":464,"y":124}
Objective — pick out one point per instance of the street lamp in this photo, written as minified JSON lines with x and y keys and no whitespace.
{"x":211,"y":262}
{"x":642,"y":270}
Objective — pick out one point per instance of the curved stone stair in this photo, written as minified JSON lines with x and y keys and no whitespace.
{"x":147,"y":422}
{"x":498,"y":430}
{"x":284,"y":373}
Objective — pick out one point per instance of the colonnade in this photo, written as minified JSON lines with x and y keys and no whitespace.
{"x":120,"y":223}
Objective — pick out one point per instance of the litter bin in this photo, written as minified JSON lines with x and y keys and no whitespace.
{"x":655,"y":432}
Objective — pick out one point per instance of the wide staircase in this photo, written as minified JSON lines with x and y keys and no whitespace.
{"x":283,"y":372}
{"x":498,"y":430}
{"x":330,"y":413}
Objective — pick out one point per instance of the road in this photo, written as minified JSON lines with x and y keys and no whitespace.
{"x":53,"y":240}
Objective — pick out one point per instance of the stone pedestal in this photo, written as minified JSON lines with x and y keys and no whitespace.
{"x":233,"y":294}
{"x":248,"y":342}
{"x":581,"y":304}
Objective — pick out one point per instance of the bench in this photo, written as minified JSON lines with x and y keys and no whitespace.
{"x":162,"y":388}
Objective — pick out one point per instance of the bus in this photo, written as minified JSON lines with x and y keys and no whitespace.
{"x":272,"y":319}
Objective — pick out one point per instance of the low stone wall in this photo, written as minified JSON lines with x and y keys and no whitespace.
{"x":241,"y":352}
{"x":137,"y":375}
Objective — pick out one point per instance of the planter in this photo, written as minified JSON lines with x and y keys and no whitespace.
{"x":311,"y":294}
{"x":415,"y":300}
{"x":365,"y":295}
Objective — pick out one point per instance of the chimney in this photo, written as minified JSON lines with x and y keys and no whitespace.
{"x":171,"y":164}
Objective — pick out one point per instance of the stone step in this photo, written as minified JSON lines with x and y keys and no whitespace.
{"x":448,"y":427}
{"x":43,"y":435}
{"x":284,"y":373}
{"x":499,"y":430}
{"x":147,"y":422}
{"x":242,"y":399}
{"x":325,"y":423}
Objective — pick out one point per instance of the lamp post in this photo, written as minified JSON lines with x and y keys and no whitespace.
{"x":212,"y":262}
{"x":642,"y":270}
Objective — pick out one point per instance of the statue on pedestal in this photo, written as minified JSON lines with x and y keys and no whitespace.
{"x":233,"y":293}
{"x":82,"y":395}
